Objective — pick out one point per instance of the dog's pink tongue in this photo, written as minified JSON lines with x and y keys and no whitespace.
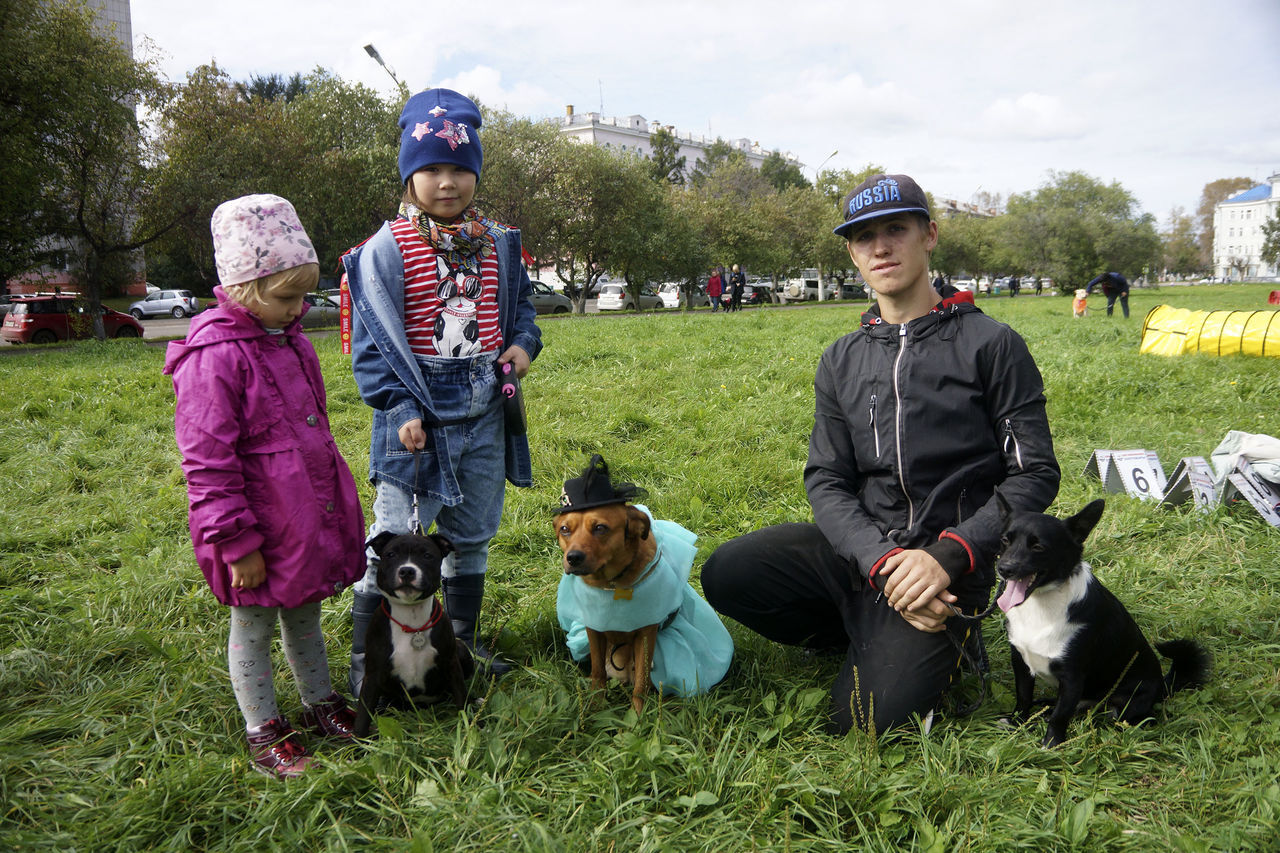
{"x":1015,"y":592}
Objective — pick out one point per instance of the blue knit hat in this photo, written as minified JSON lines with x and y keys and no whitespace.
{"x":439,"y":126}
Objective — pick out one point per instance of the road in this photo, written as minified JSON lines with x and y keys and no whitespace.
{"x":167,"y":327}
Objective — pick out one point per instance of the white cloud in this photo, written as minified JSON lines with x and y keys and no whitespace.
{"x":1033,"y":116}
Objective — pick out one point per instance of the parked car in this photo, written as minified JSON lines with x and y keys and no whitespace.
{"x":673,"y":296}
{"x":617,"y":297}
{"x":176,"y":303}
{"x":547,"y":301}
{"x":323,"y":312}
{"x":967,"y":285}
{"x":46,"y":319}
{"x":756,"y":293}
{"x":853,"y":290}
{"x":805,"y":288}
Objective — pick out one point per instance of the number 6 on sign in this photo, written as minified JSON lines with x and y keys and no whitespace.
{"x":1136,"y":472}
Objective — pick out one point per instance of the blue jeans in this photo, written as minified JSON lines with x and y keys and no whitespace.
{"x":478,"y":447}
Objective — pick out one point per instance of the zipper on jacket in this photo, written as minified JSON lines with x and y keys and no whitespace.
{"x":1011,"y":440}
{"x":874,"y":431}
{"x":897,"y":425}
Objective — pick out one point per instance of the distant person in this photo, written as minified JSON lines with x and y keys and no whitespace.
{"x":1015,"y":285}
{"x":441,"y":302}
{"x":1039,"y":285}
{"x":939,"y":283}
{"x":920,"y":414}
{"x":1114,"y":286}
{"x":274,"y":513}
{"x":715,"y":286}
{"x":738,"y":286}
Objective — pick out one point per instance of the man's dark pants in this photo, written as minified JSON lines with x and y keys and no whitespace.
{"x":787,"y":584}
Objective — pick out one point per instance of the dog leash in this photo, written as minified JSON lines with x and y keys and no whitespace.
{"x":415,"y":524}
{"x":991,"y":608}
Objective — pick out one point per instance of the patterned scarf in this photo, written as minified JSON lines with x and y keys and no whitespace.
{"x":463,"y":243}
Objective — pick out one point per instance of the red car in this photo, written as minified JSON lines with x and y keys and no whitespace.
{"x":46,"y":319}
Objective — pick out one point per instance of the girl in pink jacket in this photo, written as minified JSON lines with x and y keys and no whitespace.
{"x":274,"y":514}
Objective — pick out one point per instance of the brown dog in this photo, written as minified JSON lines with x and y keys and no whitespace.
{"x":608,"y":547}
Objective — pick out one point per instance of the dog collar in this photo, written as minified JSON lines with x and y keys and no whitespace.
{"x":624,"y":593}
{"x":436,"y":612}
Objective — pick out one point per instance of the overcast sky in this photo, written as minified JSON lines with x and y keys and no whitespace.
{"x":1162,"y":97}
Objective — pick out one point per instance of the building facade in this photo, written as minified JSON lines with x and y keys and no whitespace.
{"x":630,"y":135}
{"x":1237,"y":232}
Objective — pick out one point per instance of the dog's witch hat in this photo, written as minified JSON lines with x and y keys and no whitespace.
{"x":594,"y":488}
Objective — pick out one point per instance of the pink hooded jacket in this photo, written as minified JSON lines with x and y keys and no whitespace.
{"x":263,"y":471}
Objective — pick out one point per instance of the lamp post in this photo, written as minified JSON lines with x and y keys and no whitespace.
{"x":377,"y":57}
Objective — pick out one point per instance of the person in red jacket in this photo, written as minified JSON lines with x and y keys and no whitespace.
{"x":715,"y":286}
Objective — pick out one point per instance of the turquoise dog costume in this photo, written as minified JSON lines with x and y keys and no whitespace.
{"x":694,"y":648}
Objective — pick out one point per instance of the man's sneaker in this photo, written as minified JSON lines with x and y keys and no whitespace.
{"x":277,"y":750}
{"x":330,"y":717}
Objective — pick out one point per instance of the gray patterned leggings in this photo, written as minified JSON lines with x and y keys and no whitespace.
{"x":249,"y":658}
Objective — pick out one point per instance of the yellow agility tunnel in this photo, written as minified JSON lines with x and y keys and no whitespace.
{"x":1177,"y":331}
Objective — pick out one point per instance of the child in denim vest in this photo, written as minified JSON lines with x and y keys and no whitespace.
{"x":440,"y":301}
{"x":274,"y":514}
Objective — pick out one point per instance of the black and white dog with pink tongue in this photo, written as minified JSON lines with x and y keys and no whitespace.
{"x":1068,"y":629}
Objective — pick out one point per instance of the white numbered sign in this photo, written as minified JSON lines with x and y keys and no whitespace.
{"x":1192,"y":480}
{"x":1135,"y":472}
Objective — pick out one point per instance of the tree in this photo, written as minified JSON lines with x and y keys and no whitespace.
{"x":523,"y":160}
{"x":331,"y":151}
{"x":1179,"y":248}
{"x":76,"y":165}
{"x":716,"y":155}
{"x":593,"y":209}
{"x":666,"y":162}
{"x":1074,"y":226}
{"x":782,"y":173}
{"x":273,"y":87}
{"x":1214,"y":192}
{"x":965,"y":245}
{"x":29,"y":43}
{"x":1271,"y":239}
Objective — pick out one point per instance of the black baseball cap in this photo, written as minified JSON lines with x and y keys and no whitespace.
{"x":881,"y":195}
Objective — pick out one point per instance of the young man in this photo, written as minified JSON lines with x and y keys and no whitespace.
{"x":920,"y":414}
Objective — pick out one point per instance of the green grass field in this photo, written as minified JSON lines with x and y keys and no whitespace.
{"x":118,"y":730}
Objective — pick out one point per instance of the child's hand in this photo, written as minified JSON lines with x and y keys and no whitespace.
{"x":518,"y":358}
{"x":412,"y":435}
{"x":249,"y":571}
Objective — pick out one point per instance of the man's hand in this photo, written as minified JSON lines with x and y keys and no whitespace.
{"x":916,"y":586}
{"x":412,"y":435}
{"x":249,"y":571}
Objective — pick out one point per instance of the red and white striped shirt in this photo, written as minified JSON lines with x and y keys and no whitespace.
{"x":431,"y":325}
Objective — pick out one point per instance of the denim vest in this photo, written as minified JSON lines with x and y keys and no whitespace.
{"x":386,"y":371}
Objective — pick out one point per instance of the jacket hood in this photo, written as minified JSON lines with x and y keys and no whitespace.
{"x":229,"y":321}
{"x":951,"y":305}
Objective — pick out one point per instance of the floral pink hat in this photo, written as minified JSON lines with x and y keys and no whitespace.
{"x":257,"y":235}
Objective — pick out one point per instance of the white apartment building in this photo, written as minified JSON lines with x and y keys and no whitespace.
{"x":1237,"y":232}
{"x":630,"y":135}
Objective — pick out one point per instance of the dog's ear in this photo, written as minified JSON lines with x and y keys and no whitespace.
{"x":637,"y":524}
{"x":1005,"y":509}
{"x":443,"y":543}
{"x":1083,"y":521}
{"x":380,"y":541}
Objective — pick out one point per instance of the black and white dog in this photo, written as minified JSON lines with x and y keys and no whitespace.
{"x":1066,"y":627}
{"x":411,"y":654}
